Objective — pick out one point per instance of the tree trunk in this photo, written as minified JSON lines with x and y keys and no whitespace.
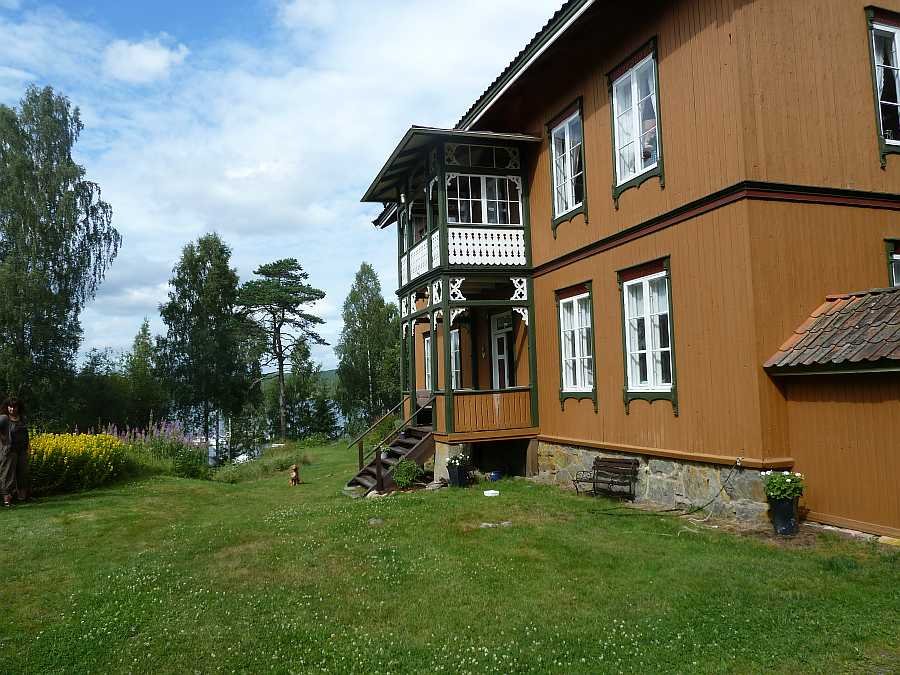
{"x":280,"y":359}
{"x":206,"y":429}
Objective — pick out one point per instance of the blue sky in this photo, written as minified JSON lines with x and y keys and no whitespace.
{"x":262,"y":120}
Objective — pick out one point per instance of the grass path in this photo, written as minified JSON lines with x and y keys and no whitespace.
{"x":173,"y":575}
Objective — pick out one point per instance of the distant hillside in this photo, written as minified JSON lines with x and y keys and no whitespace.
{"x":327,"y":377}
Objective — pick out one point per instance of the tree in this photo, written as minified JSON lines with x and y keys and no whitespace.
{"x":101,"y":392}
{"x":278,"y":303}
{"x":146,"y":393}
{"x":368,"y":349}
{"x":208,"y":350}
{"x":56,"y":244}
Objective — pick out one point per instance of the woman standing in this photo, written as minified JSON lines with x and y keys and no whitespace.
{"x":14,"y":447}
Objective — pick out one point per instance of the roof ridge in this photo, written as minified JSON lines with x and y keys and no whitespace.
{"x":860,"y":294}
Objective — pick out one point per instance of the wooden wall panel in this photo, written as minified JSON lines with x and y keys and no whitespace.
{"x":487,"y":412}
{"x":800,"y":253}
{"x":713,"y":324}
{"x":698,"y":104}
{"x":807,"y":98}
{"x":843,"y":433}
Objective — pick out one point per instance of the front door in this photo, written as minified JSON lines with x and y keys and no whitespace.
{"x":501,"y":331}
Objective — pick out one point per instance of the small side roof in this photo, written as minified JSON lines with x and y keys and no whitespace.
{"x":387,"y":184}
{"x":850,"y":332}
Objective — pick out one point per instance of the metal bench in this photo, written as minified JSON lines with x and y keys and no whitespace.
{"x":609,"y":475}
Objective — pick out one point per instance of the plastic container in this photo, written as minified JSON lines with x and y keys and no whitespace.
{"x":495,"y":475}
{"x":492,"y":493}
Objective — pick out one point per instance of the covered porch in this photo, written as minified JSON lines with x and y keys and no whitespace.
{"x":469,"y":359}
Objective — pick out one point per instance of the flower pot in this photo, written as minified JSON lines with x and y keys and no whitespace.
{"x":459,"y":476}
{"x":784,"y":515}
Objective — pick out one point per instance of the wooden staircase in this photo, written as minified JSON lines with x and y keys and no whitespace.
{"x":415,"y":443}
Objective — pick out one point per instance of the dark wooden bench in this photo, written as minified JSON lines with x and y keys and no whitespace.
{"x":611,"y":475}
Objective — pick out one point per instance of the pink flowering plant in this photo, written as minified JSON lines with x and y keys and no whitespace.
{"x":783,"y":484}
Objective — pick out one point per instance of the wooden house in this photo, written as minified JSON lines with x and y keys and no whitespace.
{"x":608,"y":252}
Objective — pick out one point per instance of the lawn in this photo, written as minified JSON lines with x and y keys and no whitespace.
{"x":177,"y":575}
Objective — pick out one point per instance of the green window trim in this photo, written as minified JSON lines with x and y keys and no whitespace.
{"x":884,"y":148}
{"x":582,"y":209}
{"x":649,"y":396}
{"x":647,"y":49}
{"x":577,"y":395}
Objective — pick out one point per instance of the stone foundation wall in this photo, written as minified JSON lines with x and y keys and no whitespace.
{"x":667,"y":483}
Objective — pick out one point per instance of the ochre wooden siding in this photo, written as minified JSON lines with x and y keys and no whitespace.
{"x":808,"y":112}
{"x":799,"y":253}
{"x":490,"y":411}
{"x":845,"y":440}
{"x":741,"y":97}
{"x":716,"y":370}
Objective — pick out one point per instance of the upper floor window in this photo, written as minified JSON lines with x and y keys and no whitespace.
{"x":887,"y":80}
{"x":648,"y":333}
{"x":483,"y":200}
{"x":566,"y":147}
{"x":576,"y":343}
{"x":481,"y":156}
{"x":635,"y":114}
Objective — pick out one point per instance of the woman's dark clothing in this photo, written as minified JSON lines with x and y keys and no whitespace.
{"x":14,"y":446}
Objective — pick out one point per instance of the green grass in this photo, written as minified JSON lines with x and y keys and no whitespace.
{"x":176,"y":575}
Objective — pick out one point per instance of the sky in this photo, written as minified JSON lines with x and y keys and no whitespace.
{"x":261,"y":120}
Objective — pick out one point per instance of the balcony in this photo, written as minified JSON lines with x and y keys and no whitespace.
{"x":488,"y":246}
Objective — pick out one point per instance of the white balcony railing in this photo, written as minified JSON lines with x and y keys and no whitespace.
{"x":418,"y":259}
{"x":486,"y":246}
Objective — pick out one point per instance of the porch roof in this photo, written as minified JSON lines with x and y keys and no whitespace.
{"x":388,"y":183}
{"x":849,"y":332}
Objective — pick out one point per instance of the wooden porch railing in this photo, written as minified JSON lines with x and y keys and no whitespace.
{"x":360,"y":440}
{"x":491,"y":410}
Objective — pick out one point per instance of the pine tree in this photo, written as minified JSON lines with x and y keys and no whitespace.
{"x":278,"y":303}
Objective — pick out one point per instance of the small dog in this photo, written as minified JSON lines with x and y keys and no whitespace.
{"x":295,"y":475}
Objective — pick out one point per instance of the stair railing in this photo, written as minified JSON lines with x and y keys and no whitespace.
{"x":359,"y":441}
{"x":386,"y":441}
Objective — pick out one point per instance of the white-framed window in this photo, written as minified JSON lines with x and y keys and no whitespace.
{"x":483,"y":200}
{"x":429,"y":379}
{"x":636,"y":117}
{"x":885,"y":41}
{"x":455,"y":360}
{"x":566,"y":147}
{"x":895,"y":269}
{"x":576,"y":342}
{"x":648,"y":333}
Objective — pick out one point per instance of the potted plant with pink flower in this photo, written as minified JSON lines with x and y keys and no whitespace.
{"x":783,"y":489}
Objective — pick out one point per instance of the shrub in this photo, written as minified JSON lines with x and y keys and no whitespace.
{"x":72,"y":462}
{"x":165,"y":449}
{"x":406,"y":473}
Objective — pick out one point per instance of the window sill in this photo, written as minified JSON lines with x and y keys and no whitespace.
{"x":638,"y":180}
{"x":888,"y":148}
{"x":578,"y":396}
{"x":568,"y":216}
{"x":651,"y":396}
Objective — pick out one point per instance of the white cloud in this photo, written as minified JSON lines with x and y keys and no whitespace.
{"x":307,"y":15}
{"x":142,"y":62}
{"x":271,"y":144}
